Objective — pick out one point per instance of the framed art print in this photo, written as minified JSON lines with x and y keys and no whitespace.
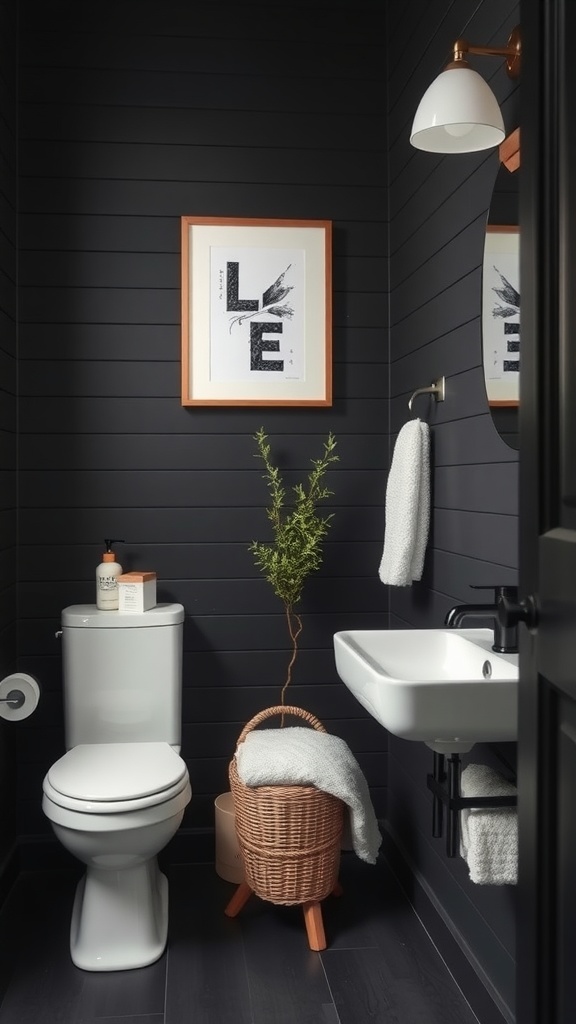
{"x":256,"y":311}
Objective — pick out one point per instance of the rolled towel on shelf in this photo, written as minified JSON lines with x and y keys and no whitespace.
{"x":407,"y":507}
{"x":489,"y":835}
{"x":296,"y":756}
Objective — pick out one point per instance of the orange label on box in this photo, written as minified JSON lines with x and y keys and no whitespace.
{"x":136,"y":577}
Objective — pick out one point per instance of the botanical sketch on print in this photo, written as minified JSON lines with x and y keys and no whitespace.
{"x":257,"y":313}
{"x":501,"y":316}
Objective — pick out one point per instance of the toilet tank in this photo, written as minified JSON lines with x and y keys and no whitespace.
{"x":122,"y":675}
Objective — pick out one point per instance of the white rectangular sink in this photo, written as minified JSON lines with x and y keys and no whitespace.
{"x":444,"y":687}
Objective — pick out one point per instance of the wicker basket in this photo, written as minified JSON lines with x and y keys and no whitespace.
{"x":289,"y":835}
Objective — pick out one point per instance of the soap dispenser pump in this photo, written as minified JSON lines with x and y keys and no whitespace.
{"x":107,"y":578}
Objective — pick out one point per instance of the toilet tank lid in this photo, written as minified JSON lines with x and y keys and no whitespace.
{"x":91,"y":616}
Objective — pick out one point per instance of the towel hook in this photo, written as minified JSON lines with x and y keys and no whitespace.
{"x":437,"y":388}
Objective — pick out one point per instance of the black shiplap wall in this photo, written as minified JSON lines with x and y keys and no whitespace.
{"x":132,"y":115}
{"x":8,"y":409}
{"x":438,"y":210}
{"x":129,"y":117}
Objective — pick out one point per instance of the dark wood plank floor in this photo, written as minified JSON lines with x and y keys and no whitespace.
{"x":380,"y":966}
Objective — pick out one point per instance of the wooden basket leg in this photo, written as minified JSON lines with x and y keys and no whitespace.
{"x":240,"y":897}
{"x":314,"y":925}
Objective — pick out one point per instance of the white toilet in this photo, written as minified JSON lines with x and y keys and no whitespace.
{"x":118,"y":795}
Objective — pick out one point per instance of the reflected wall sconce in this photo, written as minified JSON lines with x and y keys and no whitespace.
{"x":459,"y":113}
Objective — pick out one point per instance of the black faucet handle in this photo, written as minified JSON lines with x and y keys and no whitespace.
{"x":511,"y":611}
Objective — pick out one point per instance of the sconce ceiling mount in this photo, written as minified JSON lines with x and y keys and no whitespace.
{"x":461,"y":115}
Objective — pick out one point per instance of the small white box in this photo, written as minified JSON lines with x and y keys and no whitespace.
{"x":136,"y":591}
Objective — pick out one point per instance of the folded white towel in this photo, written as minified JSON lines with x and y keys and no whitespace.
{"x":305,"y":757}
{"x":489,"y":836}
{"x":407,"y":506}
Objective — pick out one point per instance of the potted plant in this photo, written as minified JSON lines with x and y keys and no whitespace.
{"x":298,"y":531}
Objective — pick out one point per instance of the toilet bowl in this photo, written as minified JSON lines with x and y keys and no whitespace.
{"x":114,"y":806}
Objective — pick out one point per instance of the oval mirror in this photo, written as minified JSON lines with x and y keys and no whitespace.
{"x":501,"y":306}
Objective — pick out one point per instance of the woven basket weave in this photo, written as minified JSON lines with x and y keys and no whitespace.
{"x":289,"y":836}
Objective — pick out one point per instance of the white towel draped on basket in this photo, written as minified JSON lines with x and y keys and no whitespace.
{"x":489,"y":836}
{"x":407,"y":506}
{"x":298,"y":756}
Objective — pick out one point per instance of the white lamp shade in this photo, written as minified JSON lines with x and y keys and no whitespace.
{"x":458,"y":113}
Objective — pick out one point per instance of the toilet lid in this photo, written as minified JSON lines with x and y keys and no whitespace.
{"x":116,"y":771}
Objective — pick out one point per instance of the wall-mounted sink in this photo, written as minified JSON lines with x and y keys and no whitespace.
{"x":444,"y":687}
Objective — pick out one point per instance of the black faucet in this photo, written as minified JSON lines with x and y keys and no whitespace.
{"x":505,"y":635}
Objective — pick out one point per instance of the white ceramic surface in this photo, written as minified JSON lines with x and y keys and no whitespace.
{"x":429,"y":684}
{"x":118,"y":795}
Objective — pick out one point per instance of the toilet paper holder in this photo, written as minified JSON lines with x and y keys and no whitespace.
{"x":19,"y":696}
{"x":16,"y":698}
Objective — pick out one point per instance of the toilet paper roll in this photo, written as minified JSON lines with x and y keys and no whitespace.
{"x":19,"y":696}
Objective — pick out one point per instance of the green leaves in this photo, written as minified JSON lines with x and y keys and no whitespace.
{"x":296,"y":550}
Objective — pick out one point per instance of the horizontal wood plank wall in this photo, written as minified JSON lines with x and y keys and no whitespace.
{"x":438,"y":211}
{"x":8,"y":413}
{"x":132,"y":115}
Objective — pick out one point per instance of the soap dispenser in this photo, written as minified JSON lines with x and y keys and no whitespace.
{"x":106,"y":579}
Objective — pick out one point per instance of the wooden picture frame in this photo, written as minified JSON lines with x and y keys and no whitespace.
{"x":256,"y":311}
{"x":501,"y":314}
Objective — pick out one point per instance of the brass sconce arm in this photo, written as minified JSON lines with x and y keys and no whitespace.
{"x":511,"y":51}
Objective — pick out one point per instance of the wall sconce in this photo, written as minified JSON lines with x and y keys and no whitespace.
{"x":459,"y":113}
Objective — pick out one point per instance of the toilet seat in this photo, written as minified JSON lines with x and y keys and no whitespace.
{"x":110,"y":778}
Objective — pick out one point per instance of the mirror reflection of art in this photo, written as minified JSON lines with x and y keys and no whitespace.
{"x":501,"y":314}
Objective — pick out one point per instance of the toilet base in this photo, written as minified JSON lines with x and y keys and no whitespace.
{"x":119,"y":918}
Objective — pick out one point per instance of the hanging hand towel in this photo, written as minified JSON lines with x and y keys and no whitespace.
{"x":407,"y":506}
{"x":489,"y":835}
